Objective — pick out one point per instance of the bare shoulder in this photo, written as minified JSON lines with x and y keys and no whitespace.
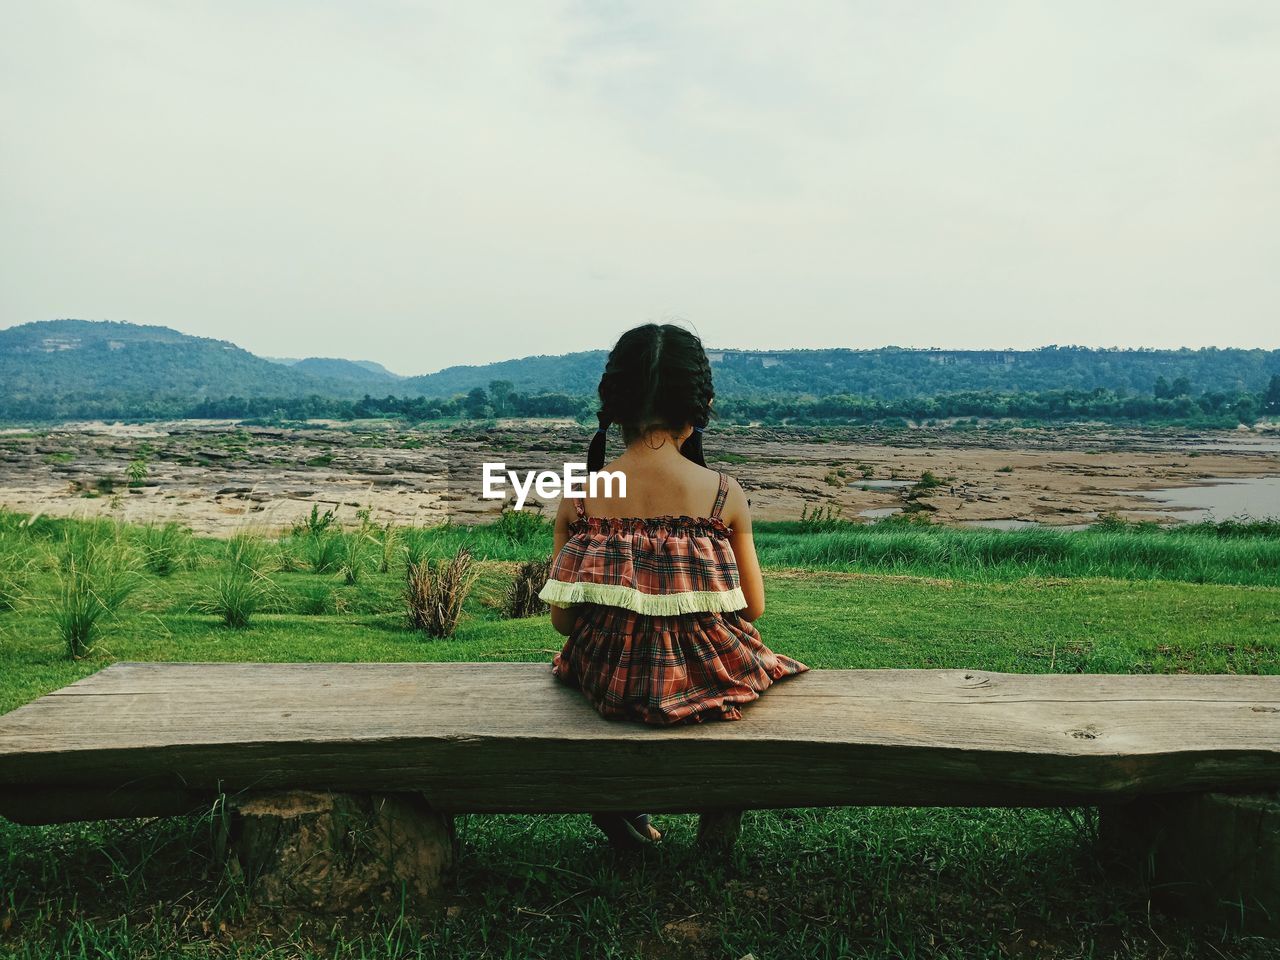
{"x":736,"y":510}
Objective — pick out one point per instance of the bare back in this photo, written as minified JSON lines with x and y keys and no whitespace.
{"x":658,"y":487}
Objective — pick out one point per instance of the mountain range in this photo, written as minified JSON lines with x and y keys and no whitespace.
{"x":132,"y":365}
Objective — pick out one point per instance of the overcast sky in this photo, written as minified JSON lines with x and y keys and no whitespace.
{"x":433,"y":183}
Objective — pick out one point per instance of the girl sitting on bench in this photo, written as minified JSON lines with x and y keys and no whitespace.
{"x":657,"y":590}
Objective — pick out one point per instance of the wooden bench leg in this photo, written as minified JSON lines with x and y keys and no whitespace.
{"x":336,"y":851}
{"x":1210,"y":855}
{"x":718,"y":830}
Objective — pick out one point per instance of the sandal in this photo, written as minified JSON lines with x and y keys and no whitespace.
{"x":626,"y":831}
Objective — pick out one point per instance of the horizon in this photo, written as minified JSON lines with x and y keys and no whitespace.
{"x":711,"y":348}
{"x":421,"y":185}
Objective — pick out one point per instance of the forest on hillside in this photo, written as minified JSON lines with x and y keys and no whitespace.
{"x":75,"y":369}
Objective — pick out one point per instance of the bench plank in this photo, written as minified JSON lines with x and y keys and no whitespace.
{"x":481,"y":737}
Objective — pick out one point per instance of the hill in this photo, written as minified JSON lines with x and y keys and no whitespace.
{"x":572,"y":373}
{"x":364,"y":373}
{"x":893,"y":373}
{"x":73,"y":368}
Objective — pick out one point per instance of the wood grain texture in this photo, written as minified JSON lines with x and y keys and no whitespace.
{"x":507,"y":737}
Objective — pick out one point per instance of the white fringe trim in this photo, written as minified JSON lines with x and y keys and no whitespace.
{"x":558,"y":593}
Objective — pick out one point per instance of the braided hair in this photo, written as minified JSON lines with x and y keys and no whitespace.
{"x":657,"y":375}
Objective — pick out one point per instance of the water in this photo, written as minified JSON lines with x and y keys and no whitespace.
{"x":1246,"y":444}
{"x":1254,"y":497}
{"x":881,"y":484}
{"x":877,"y":513}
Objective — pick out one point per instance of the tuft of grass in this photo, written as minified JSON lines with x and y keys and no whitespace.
{"x":522,"y":596}
{"x":389,"y":546}
{"x":241,"y":587}
{"x":323,"y":552}
{"x":249,"y":551}
{"x":96,"y":572}
{"x":317,"y":599}
{"x":353,"y":552}
{"x":166,"y":547}
{"x":237,"y":594}
{"x":435,"y":592}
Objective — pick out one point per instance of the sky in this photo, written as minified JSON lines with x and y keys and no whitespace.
{"x":425,"y":184}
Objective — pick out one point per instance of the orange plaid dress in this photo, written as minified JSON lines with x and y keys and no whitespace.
{"x":658,"y":637}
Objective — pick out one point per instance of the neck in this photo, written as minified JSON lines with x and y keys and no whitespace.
{"x":657,"y":444}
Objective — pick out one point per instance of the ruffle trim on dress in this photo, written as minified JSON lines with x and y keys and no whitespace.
{"x":559,"y":593}
{"x":712,"y":526}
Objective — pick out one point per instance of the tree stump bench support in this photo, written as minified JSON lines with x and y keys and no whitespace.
{"x":338,"y":851}
{"x":341,"y":777}
{"x":1210,"y":855}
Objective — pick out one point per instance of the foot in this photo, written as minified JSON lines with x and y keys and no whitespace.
{"x":627,"y":831}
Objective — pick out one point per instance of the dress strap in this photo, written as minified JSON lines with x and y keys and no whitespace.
{"x":721,"y":495}
{"x":580,"y":504}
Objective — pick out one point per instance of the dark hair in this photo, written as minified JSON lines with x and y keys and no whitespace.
{"x":656,"y":376}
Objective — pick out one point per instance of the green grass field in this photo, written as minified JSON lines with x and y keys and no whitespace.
{"x":803,"y":883}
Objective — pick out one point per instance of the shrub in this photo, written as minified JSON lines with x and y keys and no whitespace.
{"x":1110,"y":521}
{"x":315,"y":522}
{"x":928,"y":481}
{"x":821,"y":518}
{"x":138,"y":472}
{"x":436,"y":591}
{"x":522,"y":596}
{"x":96,"y":572}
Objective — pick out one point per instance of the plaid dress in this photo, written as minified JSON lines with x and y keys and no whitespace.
{"x":658,"y":637}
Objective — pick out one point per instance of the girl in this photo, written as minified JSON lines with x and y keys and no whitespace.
{"x":657,"y":591}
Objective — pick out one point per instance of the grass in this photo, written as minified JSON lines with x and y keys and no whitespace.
{"x":96,"y":572}
{"x":436,"y":592}
{"x":236,"y":595}
{"x":804,"y":883}
{"x":1189,"y":555}
{"x":165,"y":547}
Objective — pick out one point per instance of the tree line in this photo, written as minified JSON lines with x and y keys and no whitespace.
{"x":1169,"y":402}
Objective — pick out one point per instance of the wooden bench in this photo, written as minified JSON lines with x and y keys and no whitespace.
{"x":1186,"y":769}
